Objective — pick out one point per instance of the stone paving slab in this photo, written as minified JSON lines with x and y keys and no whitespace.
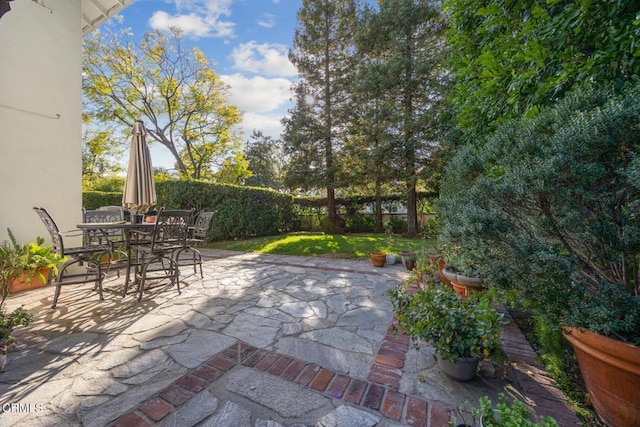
{"x":296,"y":326}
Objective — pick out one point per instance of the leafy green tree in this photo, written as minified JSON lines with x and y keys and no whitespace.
{"x":407,"y":38}
{"x":99,"y":148}
{"x":172,"y":88}
{"x":511,"y":58}
{"x":316,"y":131}
{"x":266,"y":161}
{"x":233,"y":170}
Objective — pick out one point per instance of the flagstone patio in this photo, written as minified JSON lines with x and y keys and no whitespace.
{"x":262,"y":340}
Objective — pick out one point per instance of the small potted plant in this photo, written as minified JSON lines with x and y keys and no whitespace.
{"x":26,"y":266}
{"x":16,"y":261}
{"x":408,"y":259}
{"x":461,"y":331}
{"x":462,"y":274}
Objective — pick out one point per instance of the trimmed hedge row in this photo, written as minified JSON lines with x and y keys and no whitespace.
{"x":246,"y":211}
{"x":241,"y":211}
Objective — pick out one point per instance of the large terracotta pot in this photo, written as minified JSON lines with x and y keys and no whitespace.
{"x":20,"y":283}
{"x":611,"y":371}
{"x":464,"y":285}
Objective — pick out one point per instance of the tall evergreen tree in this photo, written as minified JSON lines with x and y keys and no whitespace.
{"x":409,"y":37}
{"x":315,"y":132}
{"x":265,"y":158}
{"x":372,"y":147}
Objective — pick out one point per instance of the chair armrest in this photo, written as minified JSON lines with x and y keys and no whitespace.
{"x":72,"y":233}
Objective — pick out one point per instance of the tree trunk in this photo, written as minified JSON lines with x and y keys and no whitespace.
{"x":412,"y":209}
{"x":337,"y":223}
{"x":379,"y":226}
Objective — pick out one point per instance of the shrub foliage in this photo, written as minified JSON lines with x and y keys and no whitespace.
{"x":549,"y":207}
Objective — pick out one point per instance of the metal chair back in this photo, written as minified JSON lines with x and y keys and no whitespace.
{"x":97,"y":216}
{"x":56,"y":238}
{"x":201,"y":226}
{"x":171,"y":229}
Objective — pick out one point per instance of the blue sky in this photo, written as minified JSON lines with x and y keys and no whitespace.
{"x":247,"y":40}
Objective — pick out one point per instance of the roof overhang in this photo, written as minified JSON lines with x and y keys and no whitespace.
{"x":95,"y":12}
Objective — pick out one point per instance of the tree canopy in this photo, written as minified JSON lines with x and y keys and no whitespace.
{"x":510,"y":58}
{"x":174,"y":90}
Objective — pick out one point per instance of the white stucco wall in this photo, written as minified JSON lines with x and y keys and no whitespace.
{"x":40,"y":78}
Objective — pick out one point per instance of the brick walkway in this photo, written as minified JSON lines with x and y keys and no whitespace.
{"x":379,"y":393}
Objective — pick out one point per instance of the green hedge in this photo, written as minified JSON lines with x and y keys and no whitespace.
{"x":241,"y":211}
{"x":95,"y":199}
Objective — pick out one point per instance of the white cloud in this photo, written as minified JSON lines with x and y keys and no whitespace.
{"x":268,"y":124}
{"x":264,"y":58}
{"x":267,"y":20}
{"x":258,"y":94}
{"x":197,"y":18}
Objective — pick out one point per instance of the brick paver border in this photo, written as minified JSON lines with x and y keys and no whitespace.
{"x":367,"y":394}
{"x":379,"y":392}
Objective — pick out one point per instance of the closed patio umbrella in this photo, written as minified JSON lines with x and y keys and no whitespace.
{"x":139,"y":188}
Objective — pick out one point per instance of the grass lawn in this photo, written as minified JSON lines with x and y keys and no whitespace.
{"x":327,"y":245}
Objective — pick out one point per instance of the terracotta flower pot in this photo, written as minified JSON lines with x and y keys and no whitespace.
{"x":461,"y":290}
{"x":20,"y":283}
{"x":611,"y":371}
{"x":378,"y":259}
{"x":464,"y":285}
{"x":441,"y":264}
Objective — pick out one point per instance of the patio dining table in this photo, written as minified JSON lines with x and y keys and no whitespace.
{"x":128,"y":229}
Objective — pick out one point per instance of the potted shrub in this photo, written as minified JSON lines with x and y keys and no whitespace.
{"x":551,"y":206}
{"x":461,"y":331}
{"x":464,"y":281}
{"x":462,"y":273}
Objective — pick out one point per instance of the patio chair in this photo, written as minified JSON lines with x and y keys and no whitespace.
{"x":197,"y":236}
{"x":77,"y":256}
{"x":155,"y":258}
{"x":119,"y":209}
{"x":115,"y":238}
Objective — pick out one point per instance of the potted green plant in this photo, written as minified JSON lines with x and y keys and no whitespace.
{"x":9,"y":321}
{"x":26,"y":266}
{"x":423,"y":271}
{"x":462,"y":274}
{"x":551,"y":206}
{"x":409,"y":259}
{"x":460,"y":331}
